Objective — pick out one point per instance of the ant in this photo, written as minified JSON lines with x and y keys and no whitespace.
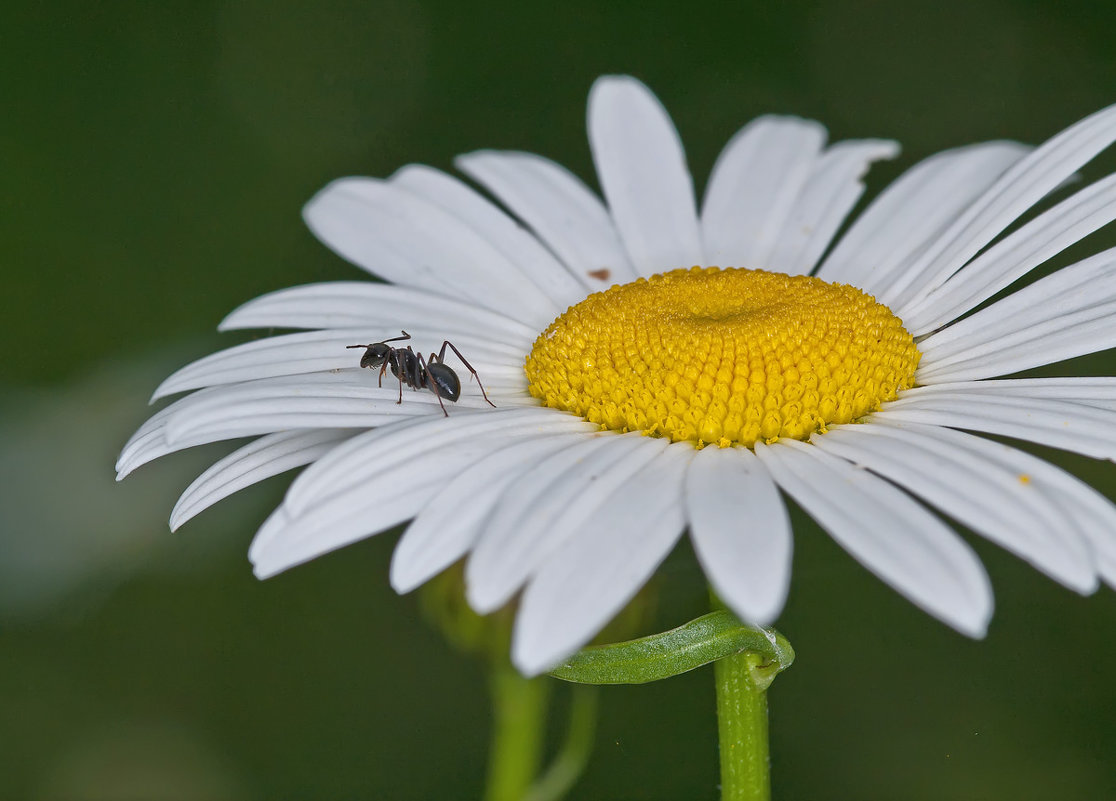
{"x":418,"y":373}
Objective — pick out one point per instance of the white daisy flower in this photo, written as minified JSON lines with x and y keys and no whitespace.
{"x":845,"y":382}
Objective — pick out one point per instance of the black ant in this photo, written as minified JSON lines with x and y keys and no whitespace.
{"x":418,"y":373}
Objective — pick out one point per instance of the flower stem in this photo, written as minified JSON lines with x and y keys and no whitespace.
{"x":742,"y":726}
{"x":571,"y":760}
{"x":518,"y":731}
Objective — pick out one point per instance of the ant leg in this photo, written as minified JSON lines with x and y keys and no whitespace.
{"x":469,"y":367}
{"x":398,"y":360}
{"x":430,"y":384}
{"x":383,"y":369}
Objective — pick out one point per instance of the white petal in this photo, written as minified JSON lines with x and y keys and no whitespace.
{"x":999,"y":318}
{"x":294,"y":542}
{"x":338,"y":399}
{"x":408,"y":240}
{"x":147,"y":443}
{"x":314,"y":400}
{"x":261,"y":459}
{"x":643,"y":172}
{"x":1043,"y":237}
{"x":753,"y":187}
{"x":380,"y":479}
{"x":1070,"y":426}
{"x":887,"y":532}
{"x":1088,"y":330}
{"x":548,"y":505}
{"x":446,"y":528}
{"x":1023,"y":185}
{"x":1081,"y":507}
{"x":833,"y":189}
{"x":363,"y":304}
{"x":592,"y":577}
{"x":1091,"y":511}
{"x":741,"y":531}
{"x":1099,"y":391}
{"x":496,"y":228}
{"x":1066,"y":314}
{"x":380,"y":455}
{"x":976,"y":482}
{"x":335,"y":491}
{"x":908,"y":214}
{"x":561,"y":210}
{"x":320,"y":351}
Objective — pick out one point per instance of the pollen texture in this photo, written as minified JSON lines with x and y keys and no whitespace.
{"x":723,"y":356}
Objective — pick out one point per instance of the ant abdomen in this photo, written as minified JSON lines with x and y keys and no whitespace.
{"x":445,"y":381}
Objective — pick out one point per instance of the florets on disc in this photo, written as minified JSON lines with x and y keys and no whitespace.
{"x":723,"y":356}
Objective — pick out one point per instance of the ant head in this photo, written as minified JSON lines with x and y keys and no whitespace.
{"x":375,"y":354}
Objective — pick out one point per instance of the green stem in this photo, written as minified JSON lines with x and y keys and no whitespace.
{"x":742,"y":726}
{"x":570,"y":763}
{"x":518,"y":730}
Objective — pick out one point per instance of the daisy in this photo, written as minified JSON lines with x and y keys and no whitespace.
{"x":657,"y":370}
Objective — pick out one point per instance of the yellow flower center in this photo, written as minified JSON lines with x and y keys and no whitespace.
{"x":723,"y":356}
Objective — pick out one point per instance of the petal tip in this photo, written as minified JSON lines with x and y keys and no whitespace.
{"x":532,"y":659}
{"x":613,"y":88}
{"x":484,"y":596}
{"x":179,"y":515}
{"x":402,"y":578}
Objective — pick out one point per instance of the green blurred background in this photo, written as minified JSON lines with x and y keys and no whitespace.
{"x":155,"y":157}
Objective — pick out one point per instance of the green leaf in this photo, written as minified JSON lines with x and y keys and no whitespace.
{"x":660,"y":656}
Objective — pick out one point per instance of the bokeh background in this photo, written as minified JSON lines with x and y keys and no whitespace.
{"x":155,"y":157}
